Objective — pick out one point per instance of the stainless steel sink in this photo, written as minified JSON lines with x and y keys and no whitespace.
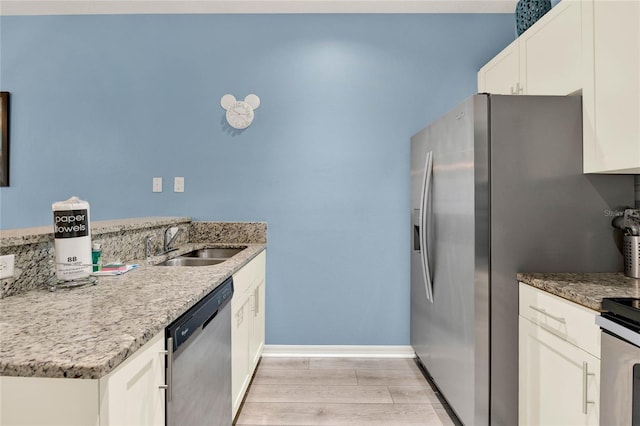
{"x":214,"y":253}
{"x":203,"y":257}
{"x":190,"y":261}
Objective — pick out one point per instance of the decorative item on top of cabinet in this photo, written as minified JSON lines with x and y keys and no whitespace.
{"x":529,"y":11}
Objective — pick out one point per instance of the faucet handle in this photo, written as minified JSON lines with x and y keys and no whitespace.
{"x":147,"y":247}
{"x":170,"y":234}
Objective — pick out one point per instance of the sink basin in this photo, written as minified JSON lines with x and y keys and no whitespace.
{"x":203,"y":257}
{"x":190,"y":261}
{"x":214,"y":253}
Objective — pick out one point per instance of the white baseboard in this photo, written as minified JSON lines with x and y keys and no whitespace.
{"x":346,"y":351}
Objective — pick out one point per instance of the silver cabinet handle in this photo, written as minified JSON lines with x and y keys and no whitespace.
{"x":545,"y":313}
{"x":165,"y":353}
{"x":517,"y":90}
{"x":256,"y":301}
{"x":255,"y":309}
{"x":240,"y":316}
{"x":585,"y":377}
{"x":169,"y":354}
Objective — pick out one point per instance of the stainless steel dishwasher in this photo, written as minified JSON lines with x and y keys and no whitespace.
{"x":198,"y":371}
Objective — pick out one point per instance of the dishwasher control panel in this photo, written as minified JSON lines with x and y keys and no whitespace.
{"x":200,"y":315}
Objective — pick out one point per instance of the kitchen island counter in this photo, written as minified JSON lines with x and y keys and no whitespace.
{"x":86,"y":332}
{"x":586,"y":289}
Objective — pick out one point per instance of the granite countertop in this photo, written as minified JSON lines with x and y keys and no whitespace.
{"x":586,"y":289}
{"x":86,"y":332}
{"x":18,"y":236}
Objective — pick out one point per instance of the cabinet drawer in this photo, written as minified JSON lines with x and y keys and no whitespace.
{"x":245,"y":278}
{"x":562,"y":318}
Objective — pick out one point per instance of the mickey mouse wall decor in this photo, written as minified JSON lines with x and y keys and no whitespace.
{"x":240,"y":113}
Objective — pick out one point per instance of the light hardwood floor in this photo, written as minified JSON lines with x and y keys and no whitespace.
{"x":340,"y":391}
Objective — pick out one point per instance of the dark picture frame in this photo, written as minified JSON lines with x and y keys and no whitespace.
{"x":4,"y":139}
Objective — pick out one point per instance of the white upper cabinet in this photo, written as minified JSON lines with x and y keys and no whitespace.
{"x":611,"y":95}
{"x":590,"y":47}
{"x":545,"y":60}
{"x":551,"y":52}
{"x":501,"y":75}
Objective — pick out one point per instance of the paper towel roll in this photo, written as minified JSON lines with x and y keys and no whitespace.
{"x":72,"y":239}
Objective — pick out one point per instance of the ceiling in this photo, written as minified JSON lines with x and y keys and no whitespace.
{"x":73,"y":7}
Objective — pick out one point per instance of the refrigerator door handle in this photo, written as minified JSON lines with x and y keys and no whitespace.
{"x":425,"y":219}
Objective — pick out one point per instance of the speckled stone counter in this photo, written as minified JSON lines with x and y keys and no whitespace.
{"x":86,"y":332}
{"x":39,"y":234}
{"x":120,"y":239}
{"x":586,"y":289}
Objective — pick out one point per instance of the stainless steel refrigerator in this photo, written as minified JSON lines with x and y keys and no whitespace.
{"x":497,"y":188}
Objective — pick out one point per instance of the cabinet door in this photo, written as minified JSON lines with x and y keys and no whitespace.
{"x":131,"y":394}
{"x":37,"y":401}
{"x":611,"y":95}
{"x":247,"y":332}
{"x":256,"y":342}
{"x":500,"y":76}
{"x":240,"y":376}
{"x":551,"y":52}
{"x":558,"y":381}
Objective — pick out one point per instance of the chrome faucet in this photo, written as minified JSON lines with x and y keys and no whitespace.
{"x":170,"y":235}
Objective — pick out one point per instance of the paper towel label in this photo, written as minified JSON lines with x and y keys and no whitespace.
{"x":70,"y":223}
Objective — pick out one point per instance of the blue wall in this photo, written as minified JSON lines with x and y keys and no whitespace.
{"x":101,"y":104}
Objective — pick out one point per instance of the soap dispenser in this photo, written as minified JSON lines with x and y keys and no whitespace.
{"x":96,"y":257}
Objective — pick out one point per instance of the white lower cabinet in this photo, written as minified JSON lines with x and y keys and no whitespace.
{"x":129,"y":395}
{"x":559,"y":365}
{"x":240,"y":376}
{"x":256,"y":337}
{"x":247,"y":326}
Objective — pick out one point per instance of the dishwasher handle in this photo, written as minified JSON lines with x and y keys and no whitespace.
{"x":169,"y":368}
{"x":211,"y":318}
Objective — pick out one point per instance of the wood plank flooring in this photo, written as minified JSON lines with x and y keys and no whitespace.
{"x":340,"y":391}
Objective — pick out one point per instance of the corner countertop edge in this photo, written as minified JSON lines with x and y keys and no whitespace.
{"x":586,"y":289}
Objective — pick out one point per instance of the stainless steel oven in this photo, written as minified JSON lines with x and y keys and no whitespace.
{"x":620,"y":362}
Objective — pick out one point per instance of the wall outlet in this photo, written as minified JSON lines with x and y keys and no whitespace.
{"x":178,"y":184}
{"x":6,"y":265}
{"x":157,"y":184}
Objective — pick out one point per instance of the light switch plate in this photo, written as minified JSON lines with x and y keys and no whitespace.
{"x":178,"y":184}
{"x":6,"y":265}
{"x":157,"y":184}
